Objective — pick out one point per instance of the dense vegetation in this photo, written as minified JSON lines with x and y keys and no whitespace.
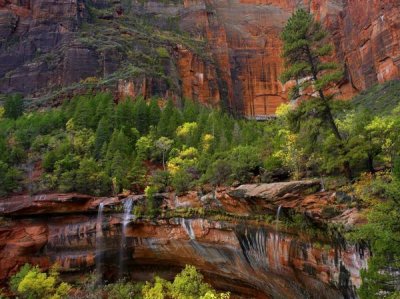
{"x":348,"y":139}
{"x":32,"y":283}
{"x":93,"y":145}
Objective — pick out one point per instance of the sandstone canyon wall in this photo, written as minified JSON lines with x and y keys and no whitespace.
{"x":238,"y":67}
{"x":254,"y":262}
{"x":249,"y":257}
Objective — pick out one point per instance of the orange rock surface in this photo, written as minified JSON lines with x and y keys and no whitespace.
{"x":249,"y":258}
{"x":242,"y":62}
{"x":255,"y":262}
{"x":244,"y":39}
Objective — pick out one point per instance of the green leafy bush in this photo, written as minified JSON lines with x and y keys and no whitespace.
{"x":30,"y":282}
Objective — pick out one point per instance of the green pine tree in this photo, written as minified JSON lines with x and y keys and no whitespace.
{"x":124,"y":115}
{"x":141,"y":115}
{"x":105,"y":106}
{"x":119,"y":142}
{"x":103,"y":135}
{"x":306,"y":52}
{"x":163,"y":124}
{"x":190,"y":111}
{"x":84,"y":113}
{"x":154,"y":113}
{"x":118,"y":169}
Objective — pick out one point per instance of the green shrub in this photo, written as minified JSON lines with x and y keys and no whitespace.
{"x":161,"y":180}
{"x":396,"y":168}
{"x":14,"y":106}
{"x":124,"y":290}
{"x":162,"y":52}
{"x":151,"y":204}
{"x":218,"y":173}
{"x":30,"y":282}
{"x":181,"y":181}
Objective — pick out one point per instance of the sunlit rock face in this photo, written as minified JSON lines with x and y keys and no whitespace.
{"x":240,"y":67}
{"x":244,"y":38}
{"x":254,"y":262}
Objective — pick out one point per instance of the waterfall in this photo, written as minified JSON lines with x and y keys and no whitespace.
{"x":276,"y":238}
{"x":99,"y":242}
{"x":278,"y":212}
{"x":127,"y":213}
{"x":187,"y":226}
{"x":123,"y":246}
{"x":253,"y":243}
{"x":322,"y":185}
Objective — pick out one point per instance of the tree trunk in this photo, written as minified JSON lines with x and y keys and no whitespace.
{"x":329,"y":116}
{"x":347,"y":170}
{"x":331,"y":122}
{"x":370,"y":164}
{"x":328,"y":111}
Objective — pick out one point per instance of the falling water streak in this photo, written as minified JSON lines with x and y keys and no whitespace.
{"x":176,"y":201}
{"x":276,"y":238}
{"x":122,"y":250}
{"x":99,"y":242}
{"x":187,"y":226}
{"x":322,"y":185}
{"x":278,"y":212}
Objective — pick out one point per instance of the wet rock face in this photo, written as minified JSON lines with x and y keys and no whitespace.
{"x":251,"y":261}
{"x":301,"y":197}
{"x":243,"y":61}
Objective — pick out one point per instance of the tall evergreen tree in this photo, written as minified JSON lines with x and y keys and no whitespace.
{"x":118,"y":169}
{"x":141,"y":115}
{"x":84,"y":113}
{"x":306,"y":53}
{"x":124,"y":115}
{"x":154,"y":112}
{"x":119,"y":142}
{"x":103,"y":135}
{"x":105,"y":106}
{"x":164,"y":123}
{"x":190,"y":111}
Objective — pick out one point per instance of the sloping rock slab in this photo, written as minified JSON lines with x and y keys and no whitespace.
{"x":55,"y":203}
{"x":275,"y":191}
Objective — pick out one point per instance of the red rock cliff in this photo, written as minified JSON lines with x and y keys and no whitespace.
{"x":250,"y":258}
{"x":243,"y":41}
{"x":244,"y":37}
{"x":255,"y":262}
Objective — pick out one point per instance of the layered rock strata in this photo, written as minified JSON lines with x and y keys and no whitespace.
{"x":254,"y":262}
{"x":249,"y":258}
{"x":239,"y":68}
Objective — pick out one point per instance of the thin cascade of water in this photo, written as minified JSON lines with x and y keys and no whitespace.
{"x":276,"y":238}
{"x":322,"y":185}
{"x":99,"y":242}
{"x":278,"y":212}
{"x":254,"y":246}
{"x":187,"y":226}
{"x":127,"y":212}
{"x":125,"y":221}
